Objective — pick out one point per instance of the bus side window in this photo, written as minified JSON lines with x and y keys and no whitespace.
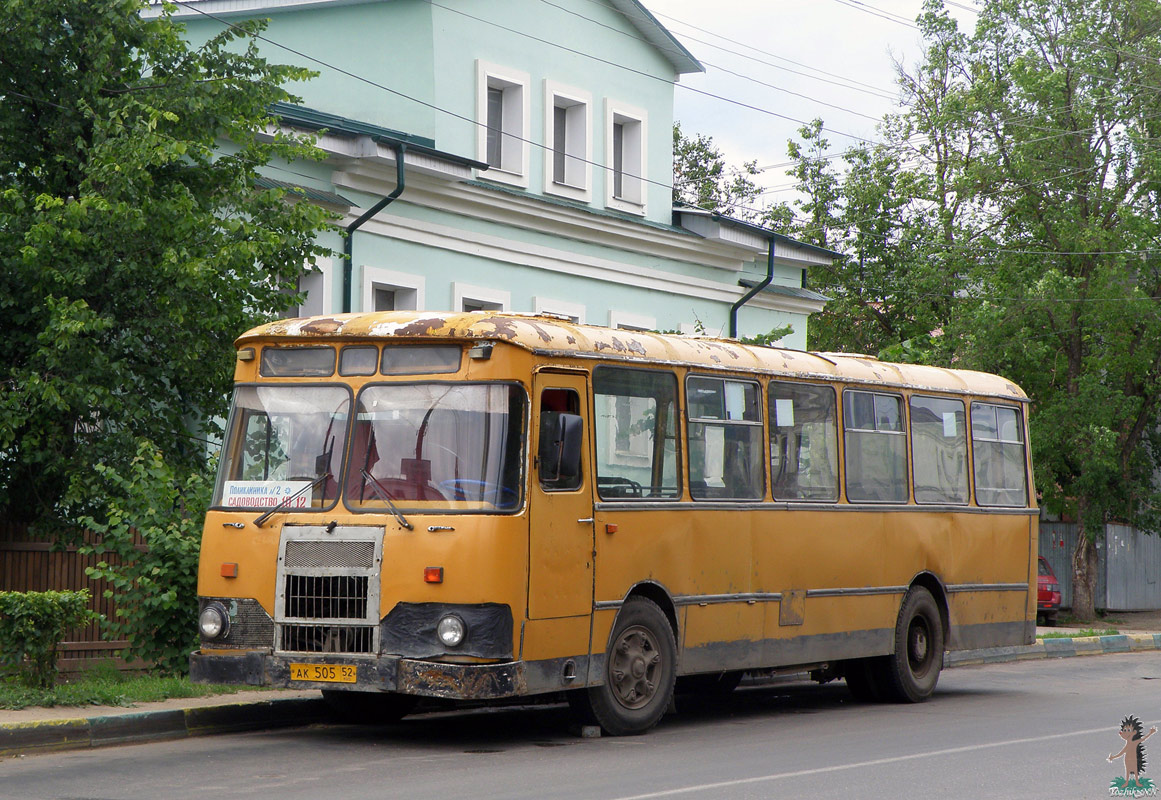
{"x":725,"y":439}
{"x":561,"y":431}
{"x":998,"y":454}
{"x":876,"y":448}
{"x":803,"y":442}
{"x":635,"y":433}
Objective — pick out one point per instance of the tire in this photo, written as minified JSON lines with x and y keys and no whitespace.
{"x":640,"y":671}
{"x":910,"y":673}
{"x":1049,"y":619}
{"x":863,"y":676}
{"x":369,"y":708}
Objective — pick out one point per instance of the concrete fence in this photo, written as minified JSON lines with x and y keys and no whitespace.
{"x":1128,"y":565}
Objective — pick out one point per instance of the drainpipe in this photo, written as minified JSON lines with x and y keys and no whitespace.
{"x":746,"y":298}
{"x":348,"y":245}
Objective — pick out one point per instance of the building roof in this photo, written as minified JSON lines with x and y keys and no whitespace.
{"x":555,"y":337}
{"x":638,"y":16}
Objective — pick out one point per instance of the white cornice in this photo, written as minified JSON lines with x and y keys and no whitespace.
{"x":534,"y":214}
{"x":505,"y":250}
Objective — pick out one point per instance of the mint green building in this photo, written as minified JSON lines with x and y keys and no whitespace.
{"x":513,"y":155}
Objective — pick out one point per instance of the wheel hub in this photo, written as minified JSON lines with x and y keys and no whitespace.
{"x":634,"y":668}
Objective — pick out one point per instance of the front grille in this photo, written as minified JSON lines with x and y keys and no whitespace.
{"x":328,"y":589}
{"x":329,"y":638}
{"x":326,"y":597}
{"x":329,"y":555}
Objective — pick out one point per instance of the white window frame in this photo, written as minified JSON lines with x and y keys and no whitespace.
{"x":317,"y":287}
{"x":635,"y":158}
{"x":628,"y":321}
{"x":515,"y":84}
{"x":578,"y":152}
{"x":546,"y":305}
{"x":407,"y":286}
{"x":498,"y":298}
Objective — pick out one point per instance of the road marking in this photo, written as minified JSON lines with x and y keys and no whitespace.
{"x":777,"y":776}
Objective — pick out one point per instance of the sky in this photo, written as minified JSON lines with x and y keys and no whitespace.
{"x":796,"y":60}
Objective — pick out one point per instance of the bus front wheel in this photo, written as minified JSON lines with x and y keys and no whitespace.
{"x":640,"y":670}
{"x":911,"y":672}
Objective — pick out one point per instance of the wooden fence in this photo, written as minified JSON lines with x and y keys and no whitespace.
{"x":31,"y":565}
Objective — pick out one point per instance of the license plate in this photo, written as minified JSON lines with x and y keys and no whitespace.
{"x":323,"y":673}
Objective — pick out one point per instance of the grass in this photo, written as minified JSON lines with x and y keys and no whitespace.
{"x":105,"y":685}
{"x":1078,"y":634}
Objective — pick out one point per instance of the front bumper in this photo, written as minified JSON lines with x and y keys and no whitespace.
{"x":380,"y":674}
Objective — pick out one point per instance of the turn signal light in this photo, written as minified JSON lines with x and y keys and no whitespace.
{"x":433,"y":574}
{"x":229,"y":570}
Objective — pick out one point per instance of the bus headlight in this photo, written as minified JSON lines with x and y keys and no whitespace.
{"x":214,"y":622}
{"x":451,"y":630}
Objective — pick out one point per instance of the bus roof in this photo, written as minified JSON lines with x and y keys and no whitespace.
{"x":555,"y":336}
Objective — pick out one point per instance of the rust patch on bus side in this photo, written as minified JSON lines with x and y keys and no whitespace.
{"x":461,"y":681}
{"x":420,"y":327}
{"x":544,"y":335}
{"x":321,"y":327}
{"x":504,"y":328}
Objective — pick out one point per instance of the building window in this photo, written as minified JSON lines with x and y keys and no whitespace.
{"x":625,"y":158}
{"x":574,"y":312}
{"x":315,"y":285}
{"x":387,"y":290}
{"x":479,"y":298}
{"x":627,"y":321}
{"x":568,"y":143}
{"x":502,"y":117}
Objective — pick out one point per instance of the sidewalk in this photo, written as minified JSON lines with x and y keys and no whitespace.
{"x":34,"y":730}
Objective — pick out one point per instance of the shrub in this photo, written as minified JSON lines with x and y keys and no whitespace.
{"x":31,"y":627}
{"x":154,"y":578}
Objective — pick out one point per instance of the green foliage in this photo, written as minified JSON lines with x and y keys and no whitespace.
{"x":771,"y":337}
{"x":31,"y":626}
{"x":152,"y":523}
{"x":104,"y":685}
{"x":134,"y":245}
{"x":1009,"y":222}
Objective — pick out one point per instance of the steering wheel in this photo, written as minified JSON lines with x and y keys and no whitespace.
{"x":494,"y":493}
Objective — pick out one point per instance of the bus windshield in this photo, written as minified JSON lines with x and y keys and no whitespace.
{"x":280,"y":440}
{"x":437,"y":445}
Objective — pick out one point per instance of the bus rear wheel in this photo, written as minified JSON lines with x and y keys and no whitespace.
{"x":369,"y":708}
{"x":910,"y":673}
{"x":640,"y":670}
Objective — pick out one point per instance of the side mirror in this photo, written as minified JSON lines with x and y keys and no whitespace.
{"x":571,"y":437}
{"x":560,"y":448}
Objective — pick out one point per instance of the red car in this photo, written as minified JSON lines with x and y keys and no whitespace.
{"x":1048,"y":594}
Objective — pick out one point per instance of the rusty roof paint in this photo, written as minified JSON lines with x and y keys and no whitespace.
{"x":550,"y":335}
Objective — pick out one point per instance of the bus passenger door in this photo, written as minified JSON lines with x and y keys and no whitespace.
{"x":560,"y":539}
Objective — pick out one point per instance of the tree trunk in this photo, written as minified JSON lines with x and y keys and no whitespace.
{"x":1084,"y":574}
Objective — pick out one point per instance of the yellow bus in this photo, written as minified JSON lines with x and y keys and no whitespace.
{"x":489,"y":505}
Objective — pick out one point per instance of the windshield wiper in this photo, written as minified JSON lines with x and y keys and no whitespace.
{"x":385,"y":496}
{"x":309,"y":487}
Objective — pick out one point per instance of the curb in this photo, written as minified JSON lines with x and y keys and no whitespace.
{"x":152,"y":726}
{"x":1056,"y":648}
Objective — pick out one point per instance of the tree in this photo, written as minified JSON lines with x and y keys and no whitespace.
{"x":1063,"y":95}
{"x":1021,"y":196}
{"x":703,"y":179}
{"x":133,"y":245}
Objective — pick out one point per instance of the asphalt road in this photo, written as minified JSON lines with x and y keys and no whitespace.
{"x":1040,"y":729}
